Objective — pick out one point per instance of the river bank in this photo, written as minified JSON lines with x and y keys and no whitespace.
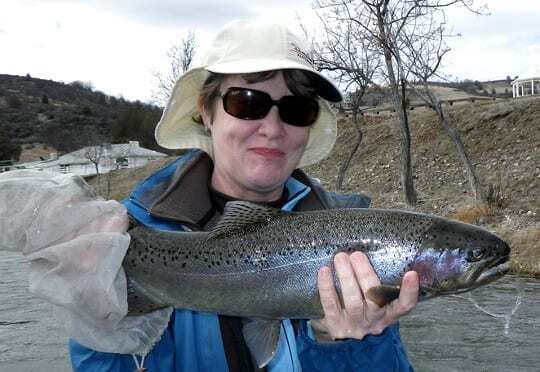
{"x":502,"y":138}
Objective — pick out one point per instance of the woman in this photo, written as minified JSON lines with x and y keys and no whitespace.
{"x":254,"y":113}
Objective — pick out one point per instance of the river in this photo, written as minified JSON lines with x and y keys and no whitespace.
{"x":445,"y":334}
{"x":450,"y":334}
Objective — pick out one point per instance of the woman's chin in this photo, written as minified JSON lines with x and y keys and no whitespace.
{"x":267,"y":182}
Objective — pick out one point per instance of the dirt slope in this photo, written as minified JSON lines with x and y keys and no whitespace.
{"x":503,"y":140}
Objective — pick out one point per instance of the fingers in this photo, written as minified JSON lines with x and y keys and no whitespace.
{"x":364,"y":271}
{"x":408,"y":296}
{"x":353,"y":299}
{"x":407,"y":300}
{"x":327,"y":292}
{"x":359,"y":316}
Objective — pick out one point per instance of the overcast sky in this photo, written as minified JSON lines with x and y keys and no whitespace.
{"x":118,"y":44}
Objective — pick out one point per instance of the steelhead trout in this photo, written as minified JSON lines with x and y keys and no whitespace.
{"x":262,"y":263}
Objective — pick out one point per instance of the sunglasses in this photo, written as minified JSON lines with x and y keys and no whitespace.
{"x":250,"y":104}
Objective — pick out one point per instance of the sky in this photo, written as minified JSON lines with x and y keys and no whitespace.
{"x":118,"y":45}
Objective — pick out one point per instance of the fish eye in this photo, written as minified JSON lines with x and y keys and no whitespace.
{"x":475,"y":254}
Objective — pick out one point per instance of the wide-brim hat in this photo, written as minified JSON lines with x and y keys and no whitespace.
{"x":245,"y":47}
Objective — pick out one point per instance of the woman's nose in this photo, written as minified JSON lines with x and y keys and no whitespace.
{"x":272,"y":125}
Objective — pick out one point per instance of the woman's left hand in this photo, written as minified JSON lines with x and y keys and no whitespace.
{"x":358,"y":316}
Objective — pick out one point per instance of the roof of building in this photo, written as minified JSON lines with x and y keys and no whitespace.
{"x":532,"y":73}
{"x":109,"y":151}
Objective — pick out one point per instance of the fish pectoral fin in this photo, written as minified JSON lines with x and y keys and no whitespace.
{"x":239,"y":214}
{"x":262,"y":337}
{"x":383,"y":294}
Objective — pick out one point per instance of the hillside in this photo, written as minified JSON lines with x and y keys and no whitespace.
{"x":503,"y":138}
{"x":69,"y":116}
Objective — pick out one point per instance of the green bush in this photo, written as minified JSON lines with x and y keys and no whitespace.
{"x":8,"y":149}
{"x":14,"y":102}
{"x":87,"y":111}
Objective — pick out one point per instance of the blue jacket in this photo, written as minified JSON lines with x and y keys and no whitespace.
{"x":192,"y":340}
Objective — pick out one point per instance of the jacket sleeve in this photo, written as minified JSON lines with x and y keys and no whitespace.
{"x":381,"y":353}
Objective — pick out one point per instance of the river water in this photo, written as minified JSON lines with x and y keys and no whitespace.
{"x":445,"y":334}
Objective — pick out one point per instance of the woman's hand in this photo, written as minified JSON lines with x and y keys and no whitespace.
{"x":359,"y":316}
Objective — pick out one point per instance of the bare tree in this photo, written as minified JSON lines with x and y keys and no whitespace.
{"x":346,"y":55}
{"x":180,"y":58}
{"x":117,"y":157}
{"x":424,"y":56}
{"x":384,"y":22}
{"x":95,"y":155}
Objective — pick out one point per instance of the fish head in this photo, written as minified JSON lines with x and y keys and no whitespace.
{"x":455,"y":257}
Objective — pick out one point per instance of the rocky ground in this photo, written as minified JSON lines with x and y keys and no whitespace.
{"x":503,"y":140}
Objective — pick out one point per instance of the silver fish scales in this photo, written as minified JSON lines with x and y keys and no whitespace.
{"x":262,"y":263}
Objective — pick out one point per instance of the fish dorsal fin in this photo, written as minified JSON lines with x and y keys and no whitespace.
{"x":262,"y":337}
{"x":237,"y":215}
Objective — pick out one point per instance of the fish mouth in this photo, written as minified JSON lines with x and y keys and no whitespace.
{"x":497,"y":269}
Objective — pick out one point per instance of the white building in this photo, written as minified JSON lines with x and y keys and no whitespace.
{"x":528,"y":85}
{"x":107,"y":157}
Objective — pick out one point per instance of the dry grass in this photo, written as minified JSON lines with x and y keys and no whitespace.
{"x":525,"y":245}
{"x":471,"y":214}
{"x":118,"y":184}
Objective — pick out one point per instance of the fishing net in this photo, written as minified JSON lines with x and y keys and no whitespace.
{"x":75,"y":243}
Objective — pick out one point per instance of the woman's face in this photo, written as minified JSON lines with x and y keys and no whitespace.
{"x":254,"y":158}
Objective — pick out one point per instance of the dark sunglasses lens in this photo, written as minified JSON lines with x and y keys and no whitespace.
{"x":246,"y":104}
{"x":298,"y":111}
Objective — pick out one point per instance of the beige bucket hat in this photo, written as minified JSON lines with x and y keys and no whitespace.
{"x":245,"y":47}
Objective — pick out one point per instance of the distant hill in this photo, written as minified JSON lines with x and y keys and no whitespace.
{"x":494,"y":88}
{"x":69,"y":116}
{"x":379,"y":97}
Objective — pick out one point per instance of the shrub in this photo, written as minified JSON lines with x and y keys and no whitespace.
{"x":496,"y":198}
{"x":87,"y":85}
{"x":14,"y":102}
{"x":8,"y":149}
{"x":86,"y":111}
{"x":472,"y":214}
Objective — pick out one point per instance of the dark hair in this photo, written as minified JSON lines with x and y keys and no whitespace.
{"x":299,"y":82}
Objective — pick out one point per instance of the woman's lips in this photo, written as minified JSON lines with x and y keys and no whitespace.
{"x":268,"y":152}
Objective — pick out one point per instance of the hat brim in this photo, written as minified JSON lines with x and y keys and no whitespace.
{"x":177,"y":128}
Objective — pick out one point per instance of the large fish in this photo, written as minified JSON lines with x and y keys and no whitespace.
{"x":262,"y":263}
